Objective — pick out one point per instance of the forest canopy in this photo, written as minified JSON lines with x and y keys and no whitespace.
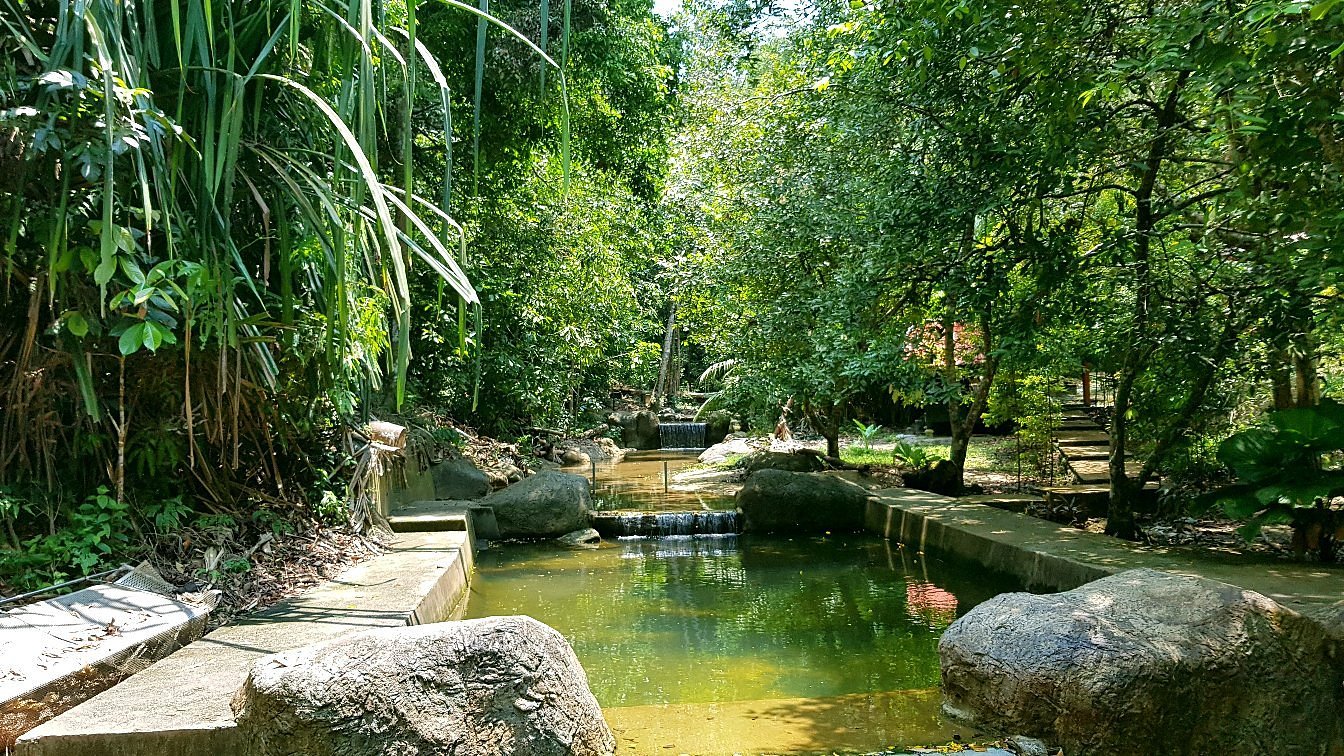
{"x":235,"y":232}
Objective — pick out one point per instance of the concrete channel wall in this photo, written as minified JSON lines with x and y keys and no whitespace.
{"x":929,"y":522}
{"x":181,"y":706}
{"x":1053,"y":557}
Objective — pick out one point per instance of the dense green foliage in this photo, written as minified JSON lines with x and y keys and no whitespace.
{"x":1282,"y":479}
{"x":228,"y":227}
{"x":234,"y":232}
{"x":566,"y":273}
{"x":935,"y":197}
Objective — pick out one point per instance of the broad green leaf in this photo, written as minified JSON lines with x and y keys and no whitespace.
{"x":132,"y":339}
{"x":77,"y":324}
{"x":1311,"y":424}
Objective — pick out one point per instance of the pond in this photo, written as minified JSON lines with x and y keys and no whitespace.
{"x":638,"y":482}
{"x":747,"y":644}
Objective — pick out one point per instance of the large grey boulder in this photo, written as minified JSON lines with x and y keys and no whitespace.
{"x":547,"y":504}
{"x":725,"y":450}
{"x":1144,"y":662}
{"x":718,"y":424}
{"x":639,"y":430}
{"x":777,"y":501}
{"x":500,"y":685}
{"x":804,"y":461}
{"x":587,"y":538}
{"x":458,"y":479}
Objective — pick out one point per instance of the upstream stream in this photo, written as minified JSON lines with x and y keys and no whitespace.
{"x":744,"y":644}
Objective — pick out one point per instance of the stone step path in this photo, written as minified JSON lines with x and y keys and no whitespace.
{"x":1097,"y":470}
{"x":1085,"y":447}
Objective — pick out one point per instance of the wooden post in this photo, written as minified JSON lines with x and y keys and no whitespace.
{"x":1087,"y":385}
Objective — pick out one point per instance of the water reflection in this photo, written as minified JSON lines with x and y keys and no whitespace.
{"x":737,"y":619}
{"x":637,"y":483}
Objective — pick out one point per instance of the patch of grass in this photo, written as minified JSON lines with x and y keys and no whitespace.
{"x":995,"y":454}
{"x":857,"y":455}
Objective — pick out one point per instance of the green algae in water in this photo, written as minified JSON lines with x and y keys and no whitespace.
{"x":749,"y":618}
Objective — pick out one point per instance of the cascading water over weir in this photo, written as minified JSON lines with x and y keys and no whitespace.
{"x":682,"y":435}
{"x":620,"y":524}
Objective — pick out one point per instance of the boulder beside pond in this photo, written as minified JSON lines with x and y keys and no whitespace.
{"x":486,"y":687}
{"x":639,"y":430}
{"x":1146,"y":662}
{"x":587,"y":538}
{"x":778,"y":501}
{"x":459,"y":479}
{"x":547,"y":504}
{"x":800,"y":462}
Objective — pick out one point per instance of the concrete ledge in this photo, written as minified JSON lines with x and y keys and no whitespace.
{"x":1049,"y":556}
{"x":181,"y":705}
{"x":437,"y":515}
{"x":57,"y":653}
{"x":1010,"y":502}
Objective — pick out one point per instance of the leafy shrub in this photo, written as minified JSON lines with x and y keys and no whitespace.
{"x":914,"y":457}
{"x":98,"y":535}
{"x":867,"y":433}
{"x":1283,"y":478}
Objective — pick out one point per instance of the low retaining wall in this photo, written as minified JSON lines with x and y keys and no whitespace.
{"x":181,"y":705}
{"x":1048,"y":556}
{"x":926,"y":521}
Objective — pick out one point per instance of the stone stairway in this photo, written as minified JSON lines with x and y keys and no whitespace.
{"x":1085,"y":448}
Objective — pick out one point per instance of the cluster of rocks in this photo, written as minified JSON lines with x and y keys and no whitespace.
{"x":546,"y":504}
{"x":500,"y":685}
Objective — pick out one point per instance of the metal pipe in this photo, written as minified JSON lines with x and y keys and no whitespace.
{"x":58,"y":586}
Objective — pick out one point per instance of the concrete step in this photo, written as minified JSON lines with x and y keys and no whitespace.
{"x":445,"y":515}
{"x":1007,"y":502}
{"x":58,"y":653}
{"x":1092,"y":499}
{"x":1084,"y":424}
{"x":1081,"y":438}
{"x":1069,"y":417}
{"x":1087,"y":471}
{"x":181,"y":705}
{"x":1072,"y":453}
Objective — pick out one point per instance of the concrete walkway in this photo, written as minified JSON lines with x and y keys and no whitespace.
{"x":1046,"y":555}
{"x":181,"y":705}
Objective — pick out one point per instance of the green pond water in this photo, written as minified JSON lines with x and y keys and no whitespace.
{"x":747,"y":644}
{"x":638,"y":482}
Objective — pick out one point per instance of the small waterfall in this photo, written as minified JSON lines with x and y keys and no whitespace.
{"x":681,"y":435}
{"x":662,"y":524}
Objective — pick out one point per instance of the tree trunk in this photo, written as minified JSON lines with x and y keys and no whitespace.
{"x":666,"y":360}
{"x":1120,"y":516}
{"x":964,"y":419}
{"x":782,"y":432}
{"x":832,"y":435}
{"x":1281,"y":378}
{"x":1304,"y":365}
